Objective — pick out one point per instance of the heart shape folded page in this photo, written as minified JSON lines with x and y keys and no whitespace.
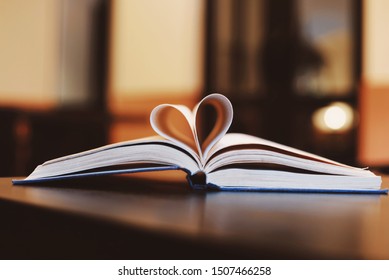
{"x":164,"y":119}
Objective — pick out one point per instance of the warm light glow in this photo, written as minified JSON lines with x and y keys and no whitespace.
{"x":336,"y":117}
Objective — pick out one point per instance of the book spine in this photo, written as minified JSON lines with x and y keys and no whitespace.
{"x":198,"y":182}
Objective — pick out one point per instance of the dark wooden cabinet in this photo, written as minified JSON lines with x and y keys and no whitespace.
{"x":29,"y":138}
{"x":7,"y":141}
{"x":282,"y":61}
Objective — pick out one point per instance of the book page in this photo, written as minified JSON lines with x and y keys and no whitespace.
{"x":143,"y":154}
{"x":244,"y":151}
{"x":239,"y":140}
{"x":224,"y":115}
{"x":181,"y":126}
{"x":251,"y":179}
{"x":175,"y":123}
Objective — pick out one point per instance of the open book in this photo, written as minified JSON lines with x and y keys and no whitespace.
{"x":220,"y":161}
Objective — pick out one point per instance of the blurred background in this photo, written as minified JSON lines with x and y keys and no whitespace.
{"x":312,"y":74}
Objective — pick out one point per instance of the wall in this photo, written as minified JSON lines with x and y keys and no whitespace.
{"x":374,"y":99}
{"x":156,"y":53}
{"x":28,"y":51}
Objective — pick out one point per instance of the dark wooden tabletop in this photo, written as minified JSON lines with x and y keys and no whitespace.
{"x":131,"y":218}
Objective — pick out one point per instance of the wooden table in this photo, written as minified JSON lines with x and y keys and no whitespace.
{"x":131,"y":218}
